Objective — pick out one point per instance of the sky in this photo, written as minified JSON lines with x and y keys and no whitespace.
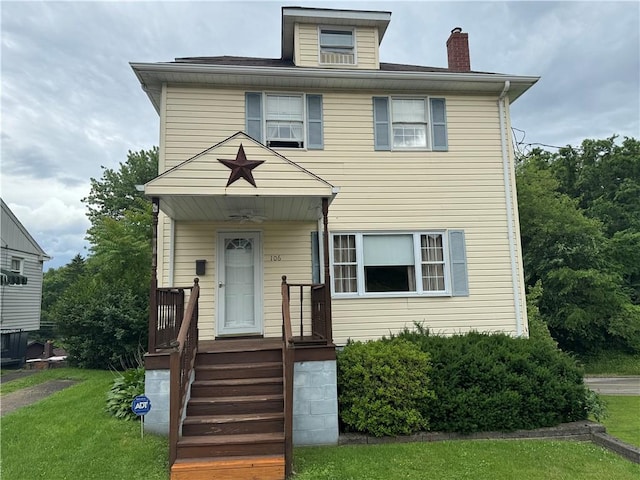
{"x":70,"y":103}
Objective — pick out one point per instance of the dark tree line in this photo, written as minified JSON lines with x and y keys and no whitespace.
{"x":580,"y":227}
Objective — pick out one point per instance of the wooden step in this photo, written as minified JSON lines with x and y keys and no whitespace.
{"x":264,"y":467}
{"x":233,"y":425}
{"x":235,"y":405}
{"x":236,"y":387}
{"x":198,"y":446}
{"x":239,"y":370}
{"x":239,"y":356}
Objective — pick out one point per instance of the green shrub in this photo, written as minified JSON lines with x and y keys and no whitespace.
{"x":487,"y":382}
{"x":382,"y":386}
{"x":127,"y":386}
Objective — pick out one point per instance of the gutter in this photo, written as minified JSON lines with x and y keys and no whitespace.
{"x":510,"y":206}
{"x":310,"y":72}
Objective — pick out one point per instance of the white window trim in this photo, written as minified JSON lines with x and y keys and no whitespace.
{"x":361,"y":293}
{"x":343,"y":29}
{"x":303,"y":96}
{"x":427,"y":123}
{"x":20,"y":270}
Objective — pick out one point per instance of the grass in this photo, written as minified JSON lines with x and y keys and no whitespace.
{"x":44,"y":376}
{"x":488,"y":459}
{"x":612,"y":363}
{"x":623,"y":419}
{"x":69,"y":435}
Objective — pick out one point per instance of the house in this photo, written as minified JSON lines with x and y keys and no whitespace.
{"x":21,"y":259}
{"x":317,"y":197}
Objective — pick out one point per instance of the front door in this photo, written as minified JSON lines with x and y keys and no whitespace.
{"x":239,"y":284}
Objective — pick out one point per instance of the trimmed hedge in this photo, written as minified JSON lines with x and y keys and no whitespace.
{"x":382,"y":386}
{"x":486,"y":382}
{"x":482,"y":382}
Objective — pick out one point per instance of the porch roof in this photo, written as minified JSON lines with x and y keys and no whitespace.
{"x":253,"y":184}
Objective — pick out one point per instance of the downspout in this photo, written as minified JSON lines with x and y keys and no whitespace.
{"x":509,"y":203}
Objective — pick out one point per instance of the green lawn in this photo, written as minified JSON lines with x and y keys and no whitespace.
{"x":477,"y":460}
{"x":623,"y":419}
{"x":70,"y":436}
{"x":612,"y":363}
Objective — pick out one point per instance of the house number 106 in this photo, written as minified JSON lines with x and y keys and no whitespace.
{"x":276,"y":258}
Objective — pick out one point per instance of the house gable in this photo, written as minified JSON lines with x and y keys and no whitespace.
{"x":207,"y":178}
{"x":16,"y":237}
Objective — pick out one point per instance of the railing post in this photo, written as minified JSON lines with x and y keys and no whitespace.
{"x":327,"y":271}
{"x":153,"y":298}
{"x":301,"y":311}
{"x":174,"y":405}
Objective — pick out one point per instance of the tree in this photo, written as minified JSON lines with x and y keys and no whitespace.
{"x":579,"y":219}
{"x":116,"y":192}
{"x":102,"y":316}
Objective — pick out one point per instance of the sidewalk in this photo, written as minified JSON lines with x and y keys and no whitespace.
{"x":29,"y":395}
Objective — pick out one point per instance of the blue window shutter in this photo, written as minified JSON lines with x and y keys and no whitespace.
{"x":315,"y":258}
{"x":253,"y":115}
{"x":458,"y":258}
{"x":314,"y":122}
{"x":381,"y":123}
{"x":439,"y":124}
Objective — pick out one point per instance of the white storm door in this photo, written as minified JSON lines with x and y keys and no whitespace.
{"x":239,"y":284}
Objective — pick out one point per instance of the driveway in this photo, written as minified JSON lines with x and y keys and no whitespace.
{"x":614,"y":385}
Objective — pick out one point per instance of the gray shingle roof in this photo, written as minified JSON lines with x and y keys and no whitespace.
{"x":278,"y":62}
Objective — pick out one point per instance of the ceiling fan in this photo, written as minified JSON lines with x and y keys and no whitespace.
{"x":246,"y":216}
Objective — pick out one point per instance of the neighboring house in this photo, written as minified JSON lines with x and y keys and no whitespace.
{"x":385,"y":194}
{"x":21,"y":259}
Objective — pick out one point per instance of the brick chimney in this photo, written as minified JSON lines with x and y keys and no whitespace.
{"x":458,"y":51}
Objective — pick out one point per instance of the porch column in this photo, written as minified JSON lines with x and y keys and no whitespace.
{"x":153,"y":292}
{"x":327,"y":269}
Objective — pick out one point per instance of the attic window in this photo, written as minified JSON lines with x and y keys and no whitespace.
{"x":337,"y":47}
{"x":16,"y":265}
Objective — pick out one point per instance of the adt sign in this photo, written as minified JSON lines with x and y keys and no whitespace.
{"x":141,"y":405}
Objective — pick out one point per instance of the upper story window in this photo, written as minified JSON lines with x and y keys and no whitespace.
{"x":290,"y":120}
{"x":16,"y":265}
{"x":405,"y":123}
{"x":284,"y":121}
{"x":337,"y":46}
{"x":409,"y":122}
{"x":399,"y":264}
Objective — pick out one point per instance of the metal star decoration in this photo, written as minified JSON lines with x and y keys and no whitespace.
{"x":241,"y":167}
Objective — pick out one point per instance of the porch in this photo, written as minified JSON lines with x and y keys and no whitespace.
{"x":230,"y":401}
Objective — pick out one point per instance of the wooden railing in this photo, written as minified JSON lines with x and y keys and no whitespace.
{"x":166,"y":318}
{"x":317,"y":294}
{"x":181,"y":362}
{"x":287,"y":372}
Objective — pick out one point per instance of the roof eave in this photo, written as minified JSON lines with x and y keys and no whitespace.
{"x":153,"y":75}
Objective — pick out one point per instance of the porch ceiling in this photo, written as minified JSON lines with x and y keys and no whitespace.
{"x":238,"y":210}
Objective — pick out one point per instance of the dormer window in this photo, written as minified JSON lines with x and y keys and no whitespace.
{"x":337,"y":46}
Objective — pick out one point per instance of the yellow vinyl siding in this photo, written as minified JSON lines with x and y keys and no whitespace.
{"x":307,"y":48}
{"x":462,"y":188}
{"x":307,"y":45}
{"x":367,"y":48}
{"x":290,"y":242}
